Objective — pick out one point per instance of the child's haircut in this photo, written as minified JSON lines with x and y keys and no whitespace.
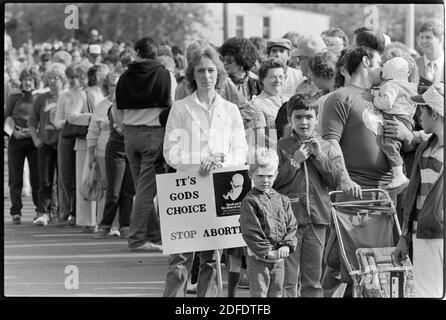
{"x":301,"y":102}
{"x":264,"y":158}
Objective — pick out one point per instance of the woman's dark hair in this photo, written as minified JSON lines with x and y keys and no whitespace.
{"x":372,"y":39}
{"x":30,"y":72}
{"x":323,"y":65}
{"x":176,"y":50}
{"x":195,"y":57}
{"x":243,"y":51}
{"x":96,"y":74}
{"x":270,"y":63}
{"x":146,"y":48}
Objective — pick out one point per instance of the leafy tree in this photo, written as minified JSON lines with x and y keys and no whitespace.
{"x":115,"y":21}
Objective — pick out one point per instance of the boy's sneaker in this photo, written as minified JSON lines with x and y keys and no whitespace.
{"x":243,"y":282}
{"x":26,"y":192}
{"x":124,"y":231}
{"x":16,"y":219}
{"x":191,"y":288}
{"x":101,"y":233}
{"x":398,"y":181}
{"x":42,"y":220}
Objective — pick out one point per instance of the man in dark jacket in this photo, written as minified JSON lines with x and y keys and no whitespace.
{"x":143,"y":91}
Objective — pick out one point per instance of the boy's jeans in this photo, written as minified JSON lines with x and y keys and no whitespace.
{"x":306,"y":263}
{"x":265,"y":278}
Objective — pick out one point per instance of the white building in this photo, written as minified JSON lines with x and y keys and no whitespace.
{"x":264,"y":20}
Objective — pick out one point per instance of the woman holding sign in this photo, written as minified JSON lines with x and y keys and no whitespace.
{"x":203,"y":132}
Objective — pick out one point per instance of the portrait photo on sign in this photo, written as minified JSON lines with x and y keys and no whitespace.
{"x":230,"y":188}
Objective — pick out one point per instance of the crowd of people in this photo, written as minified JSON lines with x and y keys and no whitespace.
{"x":309,"y":114}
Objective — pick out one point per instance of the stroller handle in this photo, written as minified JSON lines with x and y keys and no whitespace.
{"x":357,"y":202}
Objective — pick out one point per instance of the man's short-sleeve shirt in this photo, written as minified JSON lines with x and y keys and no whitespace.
{"x":350,"y":118}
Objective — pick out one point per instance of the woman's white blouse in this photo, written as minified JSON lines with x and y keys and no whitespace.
{"x":194,"y":133}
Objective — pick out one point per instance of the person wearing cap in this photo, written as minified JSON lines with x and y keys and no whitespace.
{"x":94,"y":54}
{"x":281,"y":49}
{"x":423,"y":208}
{"x":307,"y":48}
{"x":431,"y":63}
{"x":335,"y":39}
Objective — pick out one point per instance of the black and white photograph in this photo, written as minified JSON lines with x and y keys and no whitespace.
{"x":230,"y":188}
{"x":335,"y":110}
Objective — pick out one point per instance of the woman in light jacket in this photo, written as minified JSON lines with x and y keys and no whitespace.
{"x":81,"y":115}
{"x":72,"y":99}
{"x":216,"y":127}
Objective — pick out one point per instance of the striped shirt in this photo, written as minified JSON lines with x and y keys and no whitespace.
{"x":430,"y":169}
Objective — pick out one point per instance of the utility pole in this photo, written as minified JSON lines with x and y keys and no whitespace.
{"x":225,"y":21}
{"x":410,"y":25}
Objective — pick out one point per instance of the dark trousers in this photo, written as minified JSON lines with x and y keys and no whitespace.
{"x":120,"y":187}
{"x":47,"y":156}
{"x":141,"y":144}
{"x":66,"y":163}
{"x":18,"y":150}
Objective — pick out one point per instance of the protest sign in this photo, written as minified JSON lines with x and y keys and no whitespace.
{"x":201,"y":213}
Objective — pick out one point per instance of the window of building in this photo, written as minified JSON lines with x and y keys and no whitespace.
{"x":266,"y":27}
{"x":239,"y":26}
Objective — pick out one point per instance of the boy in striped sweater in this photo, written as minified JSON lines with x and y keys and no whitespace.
{"x":423,"y":210}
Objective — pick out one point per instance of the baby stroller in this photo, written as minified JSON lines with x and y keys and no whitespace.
{"x":364,"y":229}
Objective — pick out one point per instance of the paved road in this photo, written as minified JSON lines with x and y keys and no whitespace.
{"x":43,"y":261}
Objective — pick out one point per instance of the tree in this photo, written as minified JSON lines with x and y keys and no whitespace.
{"x":115,"y":21}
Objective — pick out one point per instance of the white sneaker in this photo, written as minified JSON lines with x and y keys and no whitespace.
{"x":26,"y":192}
{"x":114,"y":233}
{"x":398,"y":182}
{"x":42,"y":220}
{"x":191,"y":288}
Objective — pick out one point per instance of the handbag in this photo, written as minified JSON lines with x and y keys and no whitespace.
{"x":91,"y":188}
{"x":70,"y":130}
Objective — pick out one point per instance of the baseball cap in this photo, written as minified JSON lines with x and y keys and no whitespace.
{"x":94,"y":49}
{"x":309,"y":45}
{"x":433,"y":97}
{"x":281,"y":42}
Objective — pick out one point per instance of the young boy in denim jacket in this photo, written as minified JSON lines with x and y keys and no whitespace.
{"x":308,"y":167}
{"x":423,"y":208}
{"x":268,"y":227}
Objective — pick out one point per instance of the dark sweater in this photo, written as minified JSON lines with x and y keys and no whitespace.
{"x":145,"y":84}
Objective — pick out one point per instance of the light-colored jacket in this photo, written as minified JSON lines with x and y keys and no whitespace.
{"x":194,"y":133}
{"x":394,"y":97}
{"x":99,"y":128}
